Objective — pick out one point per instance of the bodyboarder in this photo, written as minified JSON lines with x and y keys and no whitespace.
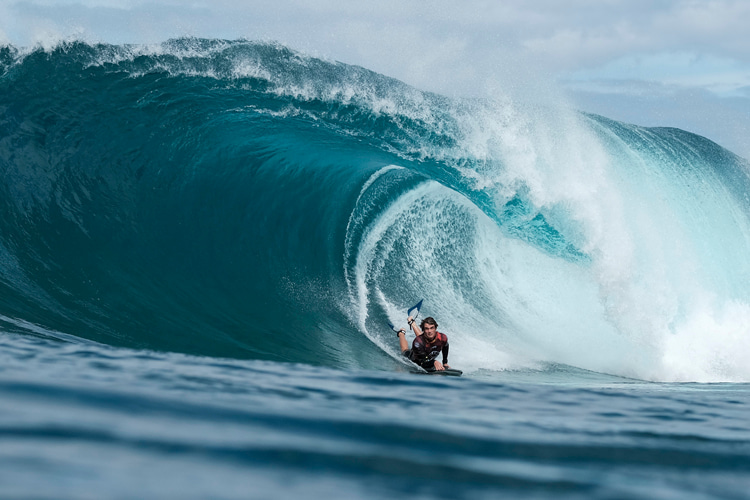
{"x":426,"y":346}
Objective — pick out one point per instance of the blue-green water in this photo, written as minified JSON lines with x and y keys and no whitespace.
{"x":88,"y":422}
{"x":201,"y":244}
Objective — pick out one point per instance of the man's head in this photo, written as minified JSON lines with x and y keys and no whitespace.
{"x":429,"y":328}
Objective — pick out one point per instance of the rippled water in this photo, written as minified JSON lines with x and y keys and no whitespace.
{"x":84,"y":421}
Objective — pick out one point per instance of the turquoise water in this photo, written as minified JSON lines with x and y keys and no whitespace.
{"x":202,"y":242}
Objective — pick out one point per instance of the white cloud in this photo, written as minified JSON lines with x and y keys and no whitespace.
{"x":565,"y":36}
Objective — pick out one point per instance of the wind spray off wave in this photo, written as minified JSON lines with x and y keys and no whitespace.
{"x":241,"y":199}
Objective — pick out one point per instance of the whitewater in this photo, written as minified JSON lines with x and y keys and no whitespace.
{"x":202,"y":243}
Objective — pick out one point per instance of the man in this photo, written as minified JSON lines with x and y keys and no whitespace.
{"x":426,"y":346}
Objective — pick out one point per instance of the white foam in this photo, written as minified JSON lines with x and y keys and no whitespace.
{"x":711,"y":345}
{"x":662,"y":296}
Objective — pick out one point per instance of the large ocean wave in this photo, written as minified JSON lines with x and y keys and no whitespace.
{"x":241,"y":199}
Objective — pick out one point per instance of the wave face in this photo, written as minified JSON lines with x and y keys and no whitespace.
{"x":240,"y":199}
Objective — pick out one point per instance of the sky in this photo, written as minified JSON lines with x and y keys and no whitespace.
{"x":676,"y":63}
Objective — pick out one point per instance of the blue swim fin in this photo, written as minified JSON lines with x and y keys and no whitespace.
{"x":417,"y":307}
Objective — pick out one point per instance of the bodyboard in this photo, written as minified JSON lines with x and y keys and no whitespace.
{"x":448,"y":372}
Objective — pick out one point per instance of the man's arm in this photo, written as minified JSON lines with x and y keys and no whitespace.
{"x":442,"y":366}
{"x":402,"y":340}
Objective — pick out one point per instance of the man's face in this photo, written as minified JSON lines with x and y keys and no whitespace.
{"x":429,"y":331}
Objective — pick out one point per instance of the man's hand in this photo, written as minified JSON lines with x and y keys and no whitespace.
{"x":439,"y":366}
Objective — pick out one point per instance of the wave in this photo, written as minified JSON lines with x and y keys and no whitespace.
{"x":240,"y":199}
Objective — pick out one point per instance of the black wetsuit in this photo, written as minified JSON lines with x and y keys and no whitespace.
{"x":424,"y":354}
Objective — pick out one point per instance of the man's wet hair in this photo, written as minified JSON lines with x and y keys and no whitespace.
{"x":429,"y":320}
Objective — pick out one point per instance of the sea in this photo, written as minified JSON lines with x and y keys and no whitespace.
{"x":203,"y":241}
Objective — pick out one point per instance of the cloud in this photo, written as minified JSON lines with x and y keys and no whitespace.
{"x":563,"y":36}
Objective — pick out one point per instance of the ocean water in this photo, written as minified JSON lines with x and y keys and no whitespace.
{"x":202,"y":243}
